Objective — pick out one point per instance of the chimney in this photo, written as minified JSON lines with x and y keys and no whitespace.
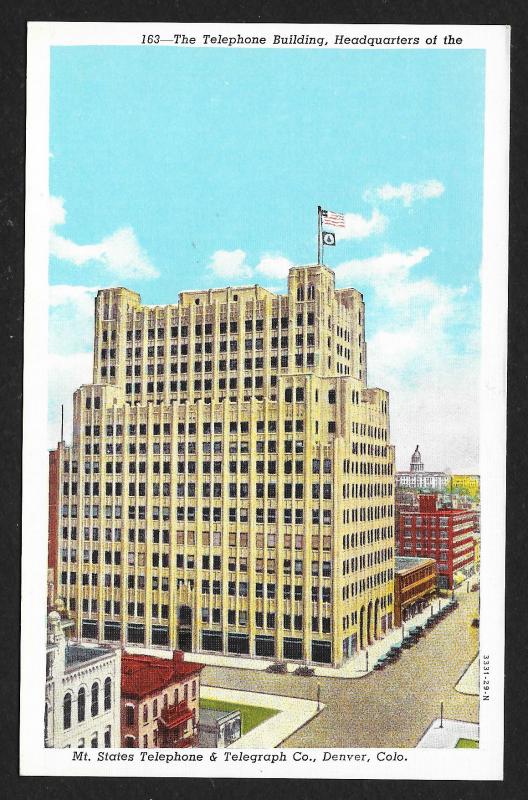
{"x":177,"y":657}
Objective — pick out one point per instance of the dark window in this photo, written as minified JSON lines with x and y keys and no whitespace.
{"x":66,"y":711}
{"x":95,"y":699}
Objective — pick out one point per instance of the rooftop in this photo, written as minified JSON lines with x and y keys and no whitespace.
{"x":209,"y":716}
{"x":75,"y":654}
{"x":409,"y":562}
{"x":144,"y":675}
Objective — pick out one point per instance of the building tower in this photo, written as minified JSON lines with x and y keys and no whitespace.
{"x":416,"y":461}
{"x":230,"y":482}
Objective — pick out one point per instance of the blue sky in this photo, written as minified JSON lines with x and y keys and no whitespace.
{"x":173,"y":169}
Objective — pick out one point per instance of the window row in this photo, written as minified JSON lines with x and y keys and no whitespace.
{"x":80,"y":700}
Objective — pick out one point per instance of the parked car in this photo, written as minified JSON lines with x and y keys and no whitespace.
{"x":304,"y":670}
{"x":278,"y":666}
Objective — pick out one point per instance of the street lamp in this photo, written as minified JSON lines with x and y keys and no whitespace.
{"x":318,"y":696}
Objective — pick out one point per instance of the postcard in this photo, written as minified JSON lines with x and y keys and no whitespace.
{"x":264,"y":415}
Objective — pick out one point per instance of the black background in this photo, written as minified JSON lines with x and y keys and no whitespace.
{"x":12,"y":188}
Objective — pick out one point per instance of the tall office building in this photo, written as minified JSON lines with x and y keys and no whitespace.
{"x":229,"y":486}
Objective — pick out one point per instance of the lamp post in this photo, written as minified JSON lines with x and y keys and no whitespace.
{"x":318,"y":696}
{"x":442,"y":714}
{"x":366,"y":660}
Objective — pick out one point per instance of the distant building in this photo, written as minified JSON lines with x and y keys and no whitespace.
{"x":218,"y":728}
{"x":468,"y":485}
{"x":414,"y":586}
{"x":418,"y":478}
{"x":159,"y":701}
{"x":83,"y":691}
{"x":443,"y":533}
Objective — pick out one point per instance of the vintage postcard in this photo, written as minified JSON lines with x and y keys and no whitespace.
{"x":264,"y":415}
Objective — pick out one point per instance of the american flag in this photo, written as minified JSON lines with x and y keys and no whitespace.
{"x":333,"y":218}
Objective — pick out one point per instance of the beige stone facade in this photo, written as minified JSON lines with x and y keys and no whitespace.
{"x":230,"y":483}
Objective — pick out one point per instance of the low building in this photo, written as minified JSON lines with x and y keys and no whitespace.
{"x":441,"y":532}
{"x":83,"y":691}
{"x":218,"y":728}
{"x":414,"y":586}
{"x":468,"y":485}
{"x":417,"y":478}
{"x":159,"y":701}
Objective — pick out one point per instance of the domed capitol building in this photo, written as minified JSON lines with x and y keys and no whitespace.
{"x":417,"y":478}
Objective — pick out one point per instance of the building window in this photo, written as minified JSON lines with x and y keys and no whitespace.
{"x":81,"y":704}
{"x":95,"y":699}
{"x":108,"y":737}
{"x":66,"y":711}
{"x":129,"y":719}
{"x":107,"y":694}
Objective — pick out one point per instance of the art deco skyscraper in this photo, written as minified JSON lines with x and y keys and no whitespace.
{"x":229,"y":486}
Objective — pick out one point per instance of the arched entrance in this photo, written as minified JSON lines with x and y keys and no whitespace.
{"x":362,"y":628}
{"x":369,"y":623}
{"x":376,"y":619}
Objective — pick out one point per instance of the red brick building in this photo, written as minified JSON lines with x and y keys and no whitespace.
{"x":414,"y":586}
{"x":159,"y":701}
{"x":445,"y":534}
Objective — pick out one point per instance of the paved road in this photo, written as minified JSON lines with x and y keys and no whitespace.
{"x":391,"y":708}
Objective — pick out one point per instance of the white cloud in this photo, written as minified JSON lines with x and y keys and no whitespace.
{"x":82,"y":297}
{"x":71,"y":316}
{"x":393,"y":266}
{"x":70,"y":342}
{"x":275,"y":267}
{"x":414,"y":353}
{"x":57,"y":212}
{"x":440,"y":412}
{"x":120,"y":253}
{"x":359,"y":227}
{"x":230,"y":264}
{"x":407,"y":192}
{"x":65,"y":374}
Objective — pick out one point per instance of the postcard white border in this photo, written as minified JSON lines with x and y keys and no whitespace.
{"x":484,"y":763}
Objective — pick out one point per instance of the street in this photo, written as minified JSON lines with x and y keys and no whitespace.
{"x":390,"y":708}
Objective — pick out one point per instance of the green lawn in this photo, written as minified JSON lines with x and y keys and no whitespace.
{"x":250,"y":716}
{"x":467,"y":743}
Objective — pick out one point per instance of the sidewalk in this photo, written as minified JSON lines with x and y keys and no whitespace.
{"x":293,"y":713}
{"x":469,"y":683}
{"x":355,"y":667}
{"x":448,"y":736}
